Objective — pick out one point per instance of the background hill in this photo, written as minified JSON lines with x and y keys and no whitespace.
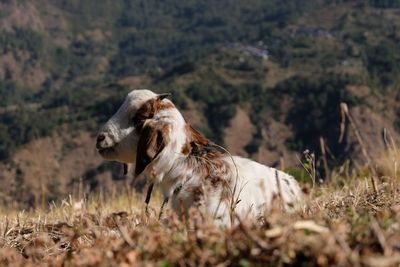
{"x":263,"y":78}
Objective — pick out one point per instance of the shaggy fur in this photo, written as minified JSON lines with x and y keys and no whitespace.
{"x":151,"y":133}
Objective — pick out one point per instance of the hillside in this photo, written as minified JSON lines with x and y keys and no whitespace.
{"x":263,"y":78}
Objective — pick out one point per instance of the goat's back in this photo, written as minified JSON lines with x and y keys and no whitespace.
{"x":258,"y":185}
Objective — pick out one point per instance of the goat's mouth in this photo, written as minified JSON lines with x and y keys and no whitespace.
{"x":106,"y":151}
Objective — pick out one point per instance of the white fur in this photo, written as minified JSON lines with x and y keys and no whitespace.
{"x":251,"y":185}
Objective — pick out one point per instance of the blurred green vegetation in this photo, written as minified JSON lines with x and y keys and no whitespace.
{"x":315,"y":110}
{"x":212,"y":47}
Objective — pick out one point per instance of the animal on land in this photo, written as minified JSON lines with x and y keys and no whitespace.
{"x":149,"y":132}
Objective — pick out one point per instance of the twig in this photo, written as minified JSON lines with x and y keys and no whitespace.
{"x":7,"y":224}
{"x":165,"y":201}
{"x":259,"y":242}
{"x":381,"y":237}
{"x":310,"y":170}
{"x":323,"y":153}
{"x":148,"y":197}
{"x":392,"y":148}
{"x":372,"y":261}
{"x":345,"y":114}
{"x":350,"y":254}
{"x":278,"y":184}
{"x":124,"y":232}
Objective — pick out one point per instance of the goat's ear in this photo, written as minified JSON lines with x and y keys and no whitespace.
{"x":164,"y":95}
{"x":153,"y":139}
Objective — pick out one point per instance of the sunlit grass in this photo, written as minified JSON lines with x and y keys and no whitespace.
{"x":344,"y":212}
{"x":343,"y":222}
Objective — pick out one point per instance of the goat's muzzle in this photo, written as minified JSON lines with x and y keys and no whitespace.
{"x":100,"y":141}
{"x":100,"y":138}
{"x":104,"y":143}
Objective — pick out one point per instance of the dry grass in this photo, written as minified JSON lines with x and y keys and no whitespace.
{"x":342,"y":224}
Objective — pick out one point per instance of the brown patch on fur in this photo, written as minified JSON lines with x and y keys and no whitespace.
{"x":195,"y":136}
{"x":149,"y":109}
{"x":200,"y":146}
{"x":215,"y":180}
{"x":166,"y":105}
{"x":186,"y":149}
{"x":198,"y":195}
{"x":152,"y":141}
{"x":153,"y":137}
{"x":207,"y":159}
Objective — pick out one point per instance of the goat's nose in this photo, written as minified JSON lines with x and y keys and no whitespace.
{"x":100,"y":137}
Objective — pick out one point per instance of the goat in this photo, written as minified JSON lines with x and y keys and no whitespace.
{"x":149,"y":132}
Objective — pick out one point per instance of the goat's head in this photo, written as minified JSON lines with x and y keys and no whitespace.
{"x":118,"y":138}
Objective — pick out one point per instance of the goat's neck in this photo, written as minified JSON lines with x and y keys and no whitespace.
{"x":196,"y":159}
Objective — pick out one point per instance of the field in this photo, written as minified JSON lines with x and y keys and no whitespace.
{"x":343,"y":223}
